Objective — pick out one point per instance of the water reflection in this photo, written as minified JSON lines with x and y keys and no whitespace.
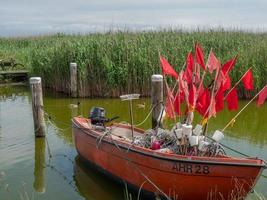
{"x":250,"y":125}
{"x":12,"y":93}
{"x":39,"y":165}
{"x":249,"y":135}
{"x":93,"y":185}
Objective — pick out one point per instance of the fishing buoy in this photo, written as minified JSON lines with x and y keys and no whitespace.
{"x":197,"y":130}
{"x":217,"y":136}
{"x":203,"y":145}
{"x":193,"y":140}
{"x":187,"y":130}
{"x":201,"y":138}
{"x":155,"y":145}
{"x":179,"y":133}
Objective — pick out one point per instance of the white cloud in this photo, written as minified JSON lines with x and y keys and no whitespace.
{"x":30,"y":17}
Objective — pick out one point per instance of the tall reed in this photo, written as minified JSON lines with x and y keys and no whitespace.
{"x":111,"y":63}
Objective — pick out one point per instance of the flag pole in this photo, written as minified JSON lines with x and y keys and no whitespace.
{"x":178,"y":78}
{"x":236,"y":83}
{"x":212,"y":97}
{"x":167,"y":86}
{"x":232,"y":120}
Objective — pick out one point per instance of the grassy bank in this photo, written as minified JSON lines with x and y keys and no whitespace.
{"x":114,"y":63}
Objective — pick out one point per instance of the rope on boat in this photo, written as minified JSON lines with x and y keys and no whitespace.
{"x":141,"y":123}
{"x":236,"y":151}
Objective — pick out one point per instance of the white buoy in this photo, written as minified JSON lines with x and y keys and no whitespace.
{"x":217,"y":136}
{"x":201,"y":138}
{"x":179,"y":133}
{"x":187,"y":130}
{"x":197,"y":130}
{"x":203,"y":145}
{"x":193,"y":140}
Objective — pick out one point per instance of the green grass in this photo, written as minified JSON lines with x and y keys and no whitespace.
{"x":114,"y":63}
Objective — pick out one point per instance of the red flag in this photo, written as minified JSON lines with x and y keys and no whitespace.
{"x":212,"y":62}
{"x":220,"y":80}
{"x":197,"y":75}
{"x":184,"y":86}
{"x":212,"y":107}
{"x":232,"y":100}
{"x":200,"y":56}
{"x":169,"y":104}
{"x":200,"y":90}
{"x":228,"y":66}
{"x":203,"y":102}
{"x":226,"y":82}
{"x":189,"y":68}
{"x":167,"y":68}
{"x":248,"y":80}
{"x":219,"y":99}
{"x":192,"y":96}
{"x":262,"y":96}
{"x":179,"y":98}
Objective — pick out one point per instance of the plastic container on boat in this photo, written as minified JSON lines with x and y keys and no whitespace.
{"x":201,"y":138}
{"x":197,"y":130}
{"x":179,"y":133}
{"x":203,"y":145}
{"x":193,"y":140}
{"x":217,"y":136}
{"x":187,"y":130}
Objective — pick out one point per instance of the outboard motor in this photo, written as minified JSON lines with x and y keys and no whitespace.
{"x":97,"y":116}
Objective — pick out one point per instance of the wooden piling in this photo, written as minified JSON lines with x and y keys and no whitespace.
{"x":73,"y":80}
{"x":156,"y":97}
{"x":39,"y":165}
{"x":37,"y":106}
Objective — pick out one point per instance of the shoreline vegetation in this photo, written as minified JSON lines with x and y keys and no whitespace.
{"x":115,"y":63}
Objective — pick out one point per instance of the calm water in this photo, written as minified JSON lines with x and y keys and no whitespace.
{"x":27,"y":172}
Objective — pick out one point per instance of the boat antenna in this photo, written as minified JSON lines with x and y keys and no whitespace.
{"x":130,"y":97}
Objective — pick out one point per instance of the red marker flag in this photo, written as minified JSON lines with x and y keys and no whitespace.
{"x":219,"y":99}
{"x":228,"y":66}
{"x":203,"y":103}
{"x":262,"y":96}
{"x":199,"y":56}
{"x":212,"y":108}
{"x":178,"y":100}
{"x":169,"y":105}
{"x":189,"y":68}
{"x":232,"y":100}
{"x":248,"y":80}
{"x":167,"y":68}
{"x":192,"y":96}
{"x":212,"y":62}
{"x":227,"y":82}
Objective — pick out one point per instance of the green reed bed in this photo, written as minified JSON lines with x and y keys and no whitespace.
{"x":114,"y":63}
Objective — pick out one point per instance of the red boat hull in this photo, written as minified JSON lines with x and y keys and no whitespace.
{"x":180,"y":177}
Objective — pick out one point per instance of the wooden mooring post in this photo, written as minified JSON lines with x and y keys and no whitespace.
{"x":156,"y":98}
{"x":37,"y":106}
{"x":39,"y":165}
{"x":73,"y":80}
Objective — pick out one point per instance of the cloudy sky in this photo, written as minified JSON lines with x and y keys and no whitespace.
{"x":34,"y":17}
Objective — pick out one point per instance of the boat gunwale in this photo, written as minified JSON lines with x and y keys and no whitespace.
{"x":163,"y":156}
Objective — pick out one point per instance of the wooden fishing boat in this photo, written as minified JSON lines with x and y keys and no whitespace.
{"x":177,"y":176}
